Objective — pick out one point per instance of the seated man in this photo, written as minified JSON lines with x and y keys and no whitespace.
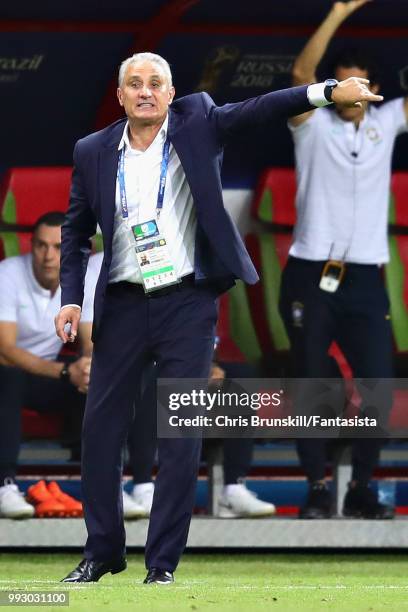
{"x":30,"y":373}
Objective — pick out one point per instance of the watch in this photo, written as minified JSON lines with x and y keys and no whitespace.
{"x":329,"y":85}
{"x":64,"y":374}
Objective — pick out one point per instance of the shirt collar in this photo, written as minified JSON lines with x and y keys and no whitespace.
{"x":350,"y":124}
{"x":161,"y":134}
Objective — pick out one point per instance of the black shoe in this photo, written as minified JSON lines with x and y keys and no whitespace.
{"x":91,"y":571}
{"x":158,"y":576}
{"x":318,"y":504}
{"x":362,"y":502}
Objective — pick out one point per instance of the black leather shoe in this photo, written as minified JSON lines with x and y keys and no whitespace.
{"x":318,"y":504}
{"x":158,"y":576}
{"x":362,"y":502}
{"x":91,"y":571}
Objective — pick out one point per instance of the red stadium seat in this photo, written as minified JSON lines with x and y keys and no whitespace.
{"x":269,"y":253}
{"x":238,"y":341}
{"x":399,"y":413}
{"x":24,"y":242}
{"x":3,"y":185}
{"x":31,"y":192}
{"x":14,"y":243}
{"x":399,"y":199}
{"x":44,"y":426}
{"x":2,"y":248}
{"x":396,"y":278}
{"x":25,"y":195}
{"x":274,"y":200}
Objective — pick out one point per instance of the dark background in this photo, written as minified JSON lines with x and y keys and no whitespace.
{"x":59,"y":61}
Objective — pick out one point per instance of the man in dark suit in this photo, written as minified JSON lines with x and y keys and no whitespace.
{"x":158,"y":169}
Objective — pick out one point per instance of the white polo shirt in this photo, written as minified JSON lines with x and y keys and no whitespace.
{"x":343,"y":183}
{"x":33,"y":308}
{"x":177,"y":219}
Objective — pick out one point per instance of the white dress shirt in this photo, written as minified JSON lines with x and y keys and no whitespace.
{"x":91,"y":278}
{"x":177,"y":220}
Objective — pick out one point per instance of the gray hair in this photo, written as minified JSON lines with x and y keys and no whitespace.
{"x":137,"y":58}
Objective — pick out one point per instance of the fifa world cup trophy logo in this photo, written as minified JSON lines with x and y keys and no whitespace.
{"x":215,"y":65}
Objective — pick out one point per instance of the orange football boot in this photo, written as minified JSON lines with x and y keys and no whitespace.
{"x":45,"y":504}
{"x":73,"y":507}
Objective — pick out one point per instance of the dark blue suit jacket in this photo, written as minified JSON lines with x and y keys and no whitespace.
{"x":198,"y":130}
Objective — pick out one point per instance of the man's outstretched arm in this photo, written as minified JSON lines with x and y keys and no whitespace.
{"x":262,"y":111}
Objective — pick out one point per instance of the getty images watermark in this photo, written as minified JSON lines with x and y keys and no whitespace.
{"x":282,"y":408}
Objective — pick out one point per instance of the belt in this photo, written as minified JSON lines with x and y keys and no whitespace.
{"x":137,"y":288}
{"x":321,"y":262}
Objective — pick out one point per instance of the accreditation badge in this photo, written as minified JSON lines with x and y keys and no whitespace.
{"x":153,"y":257}
{"x":332,"y":276}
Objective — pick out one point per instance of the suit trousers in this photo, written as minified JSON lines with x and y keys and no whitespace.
{"x":356,"y":316}
{"x":142,"y":441}
{"x":177,"y":330}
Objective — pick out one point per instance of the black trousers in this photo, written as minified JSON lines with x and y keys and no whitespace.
{"x":177,"y":331}
{"x":142,"y":440}
{"x":18,"y":389}
{"x":356,"y":316}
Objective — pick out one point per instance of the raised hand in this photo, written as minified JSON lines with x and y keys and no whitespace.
{"x":345,"y":9}
{"x":354,"y":91}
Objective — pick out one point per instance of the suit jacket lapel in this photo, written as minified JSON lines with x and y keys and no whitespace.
{"x":108,"y":166}
{"x":107,"y":170}
{"x":180,"y":140}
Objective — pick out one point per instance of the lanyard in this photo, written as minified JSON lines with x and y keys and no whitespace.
{"x":162,"y":182}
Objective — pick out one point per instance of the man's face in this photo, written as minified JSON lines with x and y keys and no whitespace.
{"x":353,"y":113}
{"x":145,"y":93}
{"x":46,"y":250}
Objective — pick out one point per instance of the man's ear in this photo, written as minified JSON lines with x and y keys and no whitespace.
{"x":374,"y":88}
{"x":119,"y":94}
{"x":172,"y":93}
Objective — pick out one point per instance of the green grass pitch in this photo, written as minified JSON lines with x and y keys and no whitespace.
{"x":221,"y":582}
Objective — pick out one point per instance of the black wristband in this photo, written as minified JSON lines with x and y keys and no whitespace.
{"x":329,"y":85}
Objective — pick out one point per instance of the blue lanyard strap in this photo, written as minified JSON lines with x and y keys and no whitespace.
{"x":163,"y":176}
{"x":121,"y":180}
{"x":162,"y":184}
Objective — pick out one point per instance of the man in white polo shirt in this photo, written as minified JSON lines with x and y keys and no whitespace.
{"x":30,"y":374}
{"x":343,"y":163}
